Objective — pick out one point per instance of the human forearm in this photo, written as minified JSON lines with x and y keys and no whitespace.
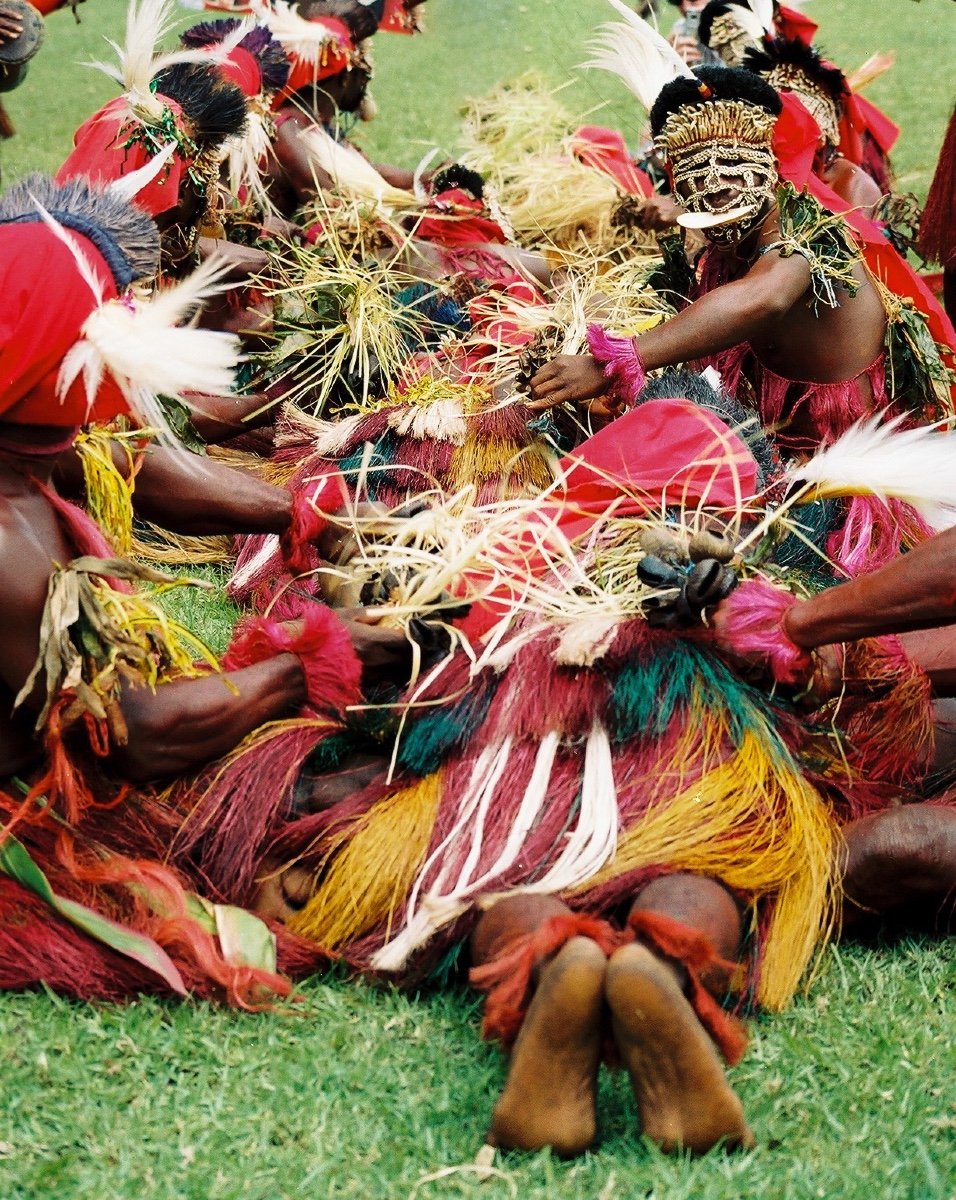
{"x":733,"y":313}
{"x":216,"y":418}
{"x":189,"y":722}
{"x":195,"y":495}
{"x":916,"y":591}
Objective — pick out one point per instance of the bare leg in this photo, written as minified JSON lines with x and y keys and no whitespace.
{"x":550,"y":1095}
{"x":902,"y":859}
{"x":683,"y":1096}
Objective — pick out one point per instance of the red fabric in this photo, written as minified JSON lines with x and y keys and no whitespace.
{"x":796,"y":136}
{"x":101,"y":156}
{"x":241,"y":68}
{"x":695,"y":953}
{"x":863,"y":116}
{"x":790,"y":23}
{"x":45,"y":305}
{"x":605,"y":150}
{"x":459,"y":222}
{"x":333,"y":673}
{"x":397,"y":18}
{"x":334,"y":57}
{"x":665,"y":452}
{"x":507,"y":978}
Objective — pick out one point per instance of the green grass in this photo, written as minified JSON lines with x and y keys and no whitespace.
{"x":363,"y":1093}
{"x":473,"y":44}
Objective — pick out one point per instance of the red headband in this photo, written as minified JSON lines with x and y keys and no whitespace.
{"x":45,"y":304}
{"x":101,"y":154}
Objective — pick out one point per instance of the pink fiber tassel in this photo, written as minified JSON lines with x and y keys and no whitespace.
{"x":621,"y":362}
{"x":333,"y":672}
{"x":754,"y":628}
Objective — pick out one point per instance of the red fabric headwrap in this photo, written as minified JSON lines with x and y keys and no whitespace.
{"x":44,"y":304}
{"x":241,"y":68}
{"x":792,"y":24}
{"x":397,"y":18}
{"x":334,"y":57}
{"x":100,"y":155}
{"x":461,"y":222}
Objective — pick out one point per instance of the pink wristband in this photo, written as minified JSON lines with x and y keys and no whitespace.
{"x":754,"y":626}
{"x":333,"y":672}
{"x":621,"y":362}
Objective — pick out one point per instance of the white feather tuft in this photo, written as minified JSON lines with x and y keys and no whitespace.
{"x":350,"y":171}
{"x":245,"y":156}
{"x":878,"y":458}
{"x":305,"y":39}
{"x":129,"y":186}
{"x":149,"y":354}
{"x":638,"y":55}
{"x":147,"y":23}
{"x":752,"y":17}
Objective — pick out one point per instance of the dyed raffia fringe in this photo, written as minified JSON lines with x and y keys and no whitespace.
{"x":655,"y":759}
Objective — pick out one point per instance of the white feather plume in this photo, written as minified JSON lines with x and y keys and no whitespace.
{"x":150,"y":354}
{"x":127,"y":187}
{"x":878,"y":458}
{"x":350,"y":171}
{"x":147,"y":23}
{"x":244,"y":159}
{"x":637,"y":54}
{"x":752,"y":17}
{"x":305,"y":39}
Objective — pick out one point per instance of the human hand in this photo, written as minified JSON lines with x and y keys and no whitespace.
{"x":242,"y":261}
{"x":11,"y":24}
{"x":577,"y":377}
{"x":688,"y":48}
{"x":658,"y":213}
{"x":385,"y":652}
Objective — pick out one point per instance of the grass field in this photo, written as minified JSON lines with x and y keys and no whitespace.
{"x":366,"y":1093}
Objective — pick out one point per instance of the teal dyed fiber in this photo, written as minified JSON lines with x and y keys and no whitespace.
{"x":382,"y":455}
{"x":330,"y":753}
{"x":647,"y":693}
{"x":435,"y":734}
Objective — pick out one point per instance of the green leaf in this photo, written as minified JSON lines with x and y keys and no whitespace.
{"x":245,"y":940}
{"x":15,"y":861}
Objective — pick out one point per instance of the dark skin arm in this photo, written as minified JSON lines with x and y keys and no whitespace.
{"x":190,"y":494}
{"x":913,"y":596}
{"x":178,"y":727}
{"x":299,"y":170}
{"x":915,"y":591}
{"x":745,"y":309}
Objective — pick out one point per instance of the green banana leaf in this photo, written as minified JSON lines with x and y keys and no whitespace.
{"x":15,"y":861}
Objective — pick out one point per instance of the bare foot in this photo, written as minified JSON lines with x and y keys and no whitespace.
{"x":902,"y":858}
{"x":682,"y":1094}
{"x":550,"y":1095}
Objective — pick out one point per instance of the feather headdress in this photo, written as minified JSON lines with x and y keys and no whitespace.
{"x":142,"y":344}
{"x":879,"y":458}
{"x":147,"y":23}
{"x":638,"y":55}
{"x":309,"y":41}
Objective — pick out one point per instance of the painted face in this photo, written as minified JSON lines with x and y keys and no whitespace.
{"x":715,"y":182}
